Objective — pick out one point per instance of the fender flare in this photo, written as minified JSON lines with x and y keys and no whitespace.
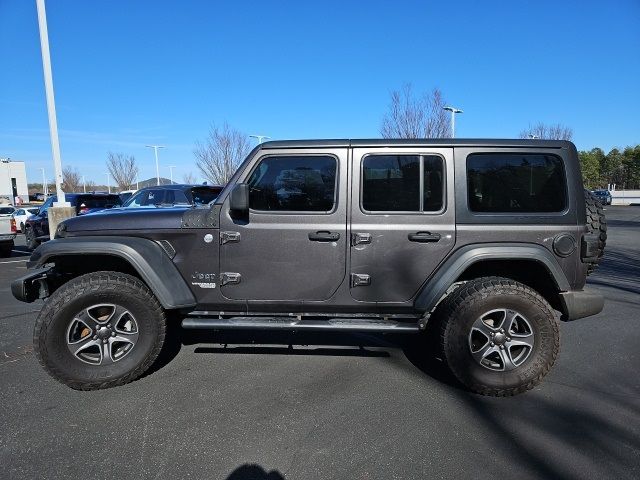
{"x":147,"y":258}
{"x":436,"y":287}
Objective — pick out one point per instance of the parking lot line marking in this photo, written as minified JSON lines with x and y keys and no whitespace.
{"x":17,"y":261}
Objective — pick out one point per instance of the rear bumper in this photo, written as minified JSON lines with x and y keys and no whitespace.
{"x":581,"y":303}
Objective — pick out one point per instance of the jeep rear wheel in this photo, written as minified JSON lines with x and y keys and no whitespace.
{"x":498,"y":337}
{"x":99,"y":330}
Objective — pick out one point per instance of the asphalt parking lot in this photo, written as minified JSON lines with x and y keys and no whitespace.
{"x":266,"y":406}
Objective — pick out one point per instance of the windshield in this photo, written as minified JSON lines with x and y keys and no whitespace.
{"x":6,"y":210}
{"x":157,"y":196}
{"x":204,"y":195}
{"x":101,"y":202}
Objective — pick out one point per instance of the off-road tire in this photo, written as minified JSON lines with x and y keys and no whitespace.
{"x":596,"y":224}
{"x":30,"y":239}
{"x":459,"y":310}
{"x":50,"y":331}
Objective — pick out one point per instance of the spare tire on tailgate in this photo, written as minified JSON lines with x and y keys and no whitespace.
{"x":597,"y":225}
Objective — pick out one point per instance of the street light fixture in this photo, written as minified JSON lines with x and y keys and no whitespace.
{"x":44,"y":185}
{"x":260,"y":138}
{"x":155,"y":149}
{"x":453,"y":111}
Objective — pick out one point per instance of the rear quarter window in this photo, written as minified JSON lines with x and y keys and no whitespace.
{"x":516,"y":183}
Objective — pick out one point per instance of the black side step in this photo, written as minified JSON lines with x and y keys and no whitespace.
{"x":294,"y":323}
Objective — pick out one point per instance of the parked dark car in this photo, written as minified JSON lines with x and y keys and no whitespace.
{"x":37,"y":197}
{"x":604,"y":196}
{"x":169,"y":195}
{"x":36,"y":228}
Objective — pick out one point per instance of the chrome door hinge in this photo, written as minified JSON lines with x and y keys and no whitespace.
{"x":360,"y":280}
{"x":229,"y":237}
{"x":230,"y":278}
{"x":360,"y":238}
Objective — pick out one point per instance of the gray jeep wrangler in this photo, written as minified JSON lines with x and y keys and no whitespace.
{"x":488,"y":241}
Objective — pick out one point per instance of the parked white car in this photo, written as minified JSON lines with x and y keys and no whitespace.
{"x":20,"y":215}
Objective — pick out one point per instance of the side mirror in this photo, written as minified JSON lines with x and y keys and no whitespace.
{"x":239,"y":201}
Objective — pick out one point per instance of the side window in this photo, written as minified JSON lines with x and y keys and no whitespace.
{"x":515,"y":182}
{"x":402,"y":183}
{"x":294,"y":184}
{"x":179,"y":198}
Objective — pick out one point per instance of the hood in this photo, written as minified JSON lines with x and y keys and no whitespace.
{"x":127,"y":219}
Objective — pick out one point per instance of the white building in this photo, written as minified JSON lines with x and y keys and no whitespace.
{"x":13,"y":180}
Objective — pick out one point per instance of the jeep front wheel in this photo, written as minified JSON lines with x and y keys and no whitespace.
{"x":99,"y":330}
{"x":498,"y":337}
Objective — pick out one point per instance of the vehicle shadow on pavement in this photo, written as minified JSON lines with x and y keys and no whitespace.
{"x":172,"y":345}
{"x":547,"y":434}
{"x":419,"y":349}
{"x":619,"y":269}
{"x":254,"y":472}
{"x":288,"y":343}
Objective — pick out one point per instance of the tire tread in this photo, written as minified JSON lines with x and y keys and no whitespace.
{"x":473,"y":291}
{"x":93,"y":282}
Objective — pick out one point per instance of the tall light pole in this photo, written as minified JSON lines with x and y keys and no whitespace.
{"x":84,"y":185}
{"x":51,"y":104}
{"x":453,"y":111}
{"x":171,"y":167}
{"x":108,"y":182}
{"x":260,"y":138}
{"x":155,"y":149}
{"x":44,"y":184}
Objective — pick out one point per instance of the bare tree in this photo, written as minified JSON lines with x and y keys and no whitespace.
{"x":70,"y":179}
{"x":221,"y":153}
{"x":416,"y":117}
{"x":548,"y":132}
{"x":123,"y":169}
{"x":189,"y":178}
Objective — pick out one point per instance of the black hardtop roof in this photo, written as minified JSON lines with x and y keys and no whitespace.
{"x":404,"y":142}
{"x":177,"y":186}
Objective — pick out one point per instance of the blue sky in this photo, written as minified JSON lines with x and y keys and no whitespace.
{"x":128,"y":73}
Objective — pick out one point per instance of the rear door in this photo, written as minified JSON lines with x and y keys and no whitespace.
{"x":293,"y":245}
{"x":402,"y":220}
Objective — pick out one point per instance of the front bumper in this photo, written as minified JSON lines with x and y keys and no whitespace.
{"x":31,"y":286}
{"x":581,"y":303}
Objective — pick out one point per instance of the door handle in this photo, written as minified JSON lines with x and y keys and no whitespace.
{"x":323,"y":236}
{"x":424,"y":237}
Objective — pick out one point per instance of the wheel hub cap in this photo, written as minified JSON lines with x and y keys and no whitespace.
{"x":501,"y":339}
{"x":102,"y":334}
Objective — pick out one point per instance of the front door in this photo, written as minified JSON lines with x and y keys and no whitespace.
{"x":293,"y":245}
{"x":403,"y":220}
